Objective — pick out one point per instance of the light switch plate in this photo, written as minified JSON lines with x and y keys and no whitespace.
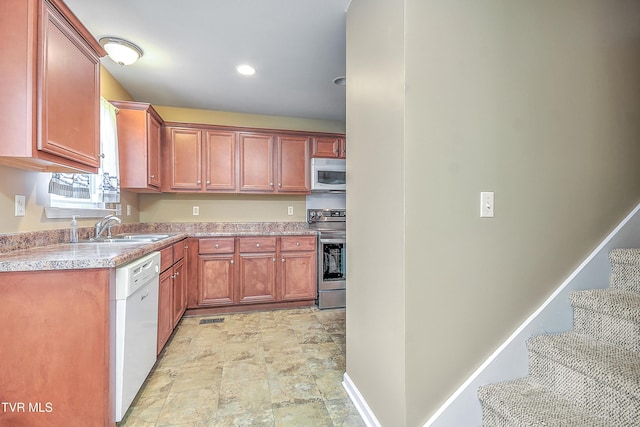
{"x":20,"y":205}
{"x":289,"y":210}
{"x":486,"y":204}
{"x":196,"y":210}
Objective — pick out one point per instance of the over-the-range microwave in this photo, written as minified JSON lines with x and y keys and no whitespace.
{"x":328,"y":174}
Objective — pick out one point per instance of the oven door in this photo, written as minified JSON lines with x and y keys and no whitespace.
{"x":332,"y":273}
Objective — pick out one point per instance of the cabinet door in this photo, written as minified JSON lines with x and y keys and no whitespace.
{"x":70,"y":93}
{"x":184,"y":158}
{"x":154,"y":129}
{"x":293,"y":165}
{"x":220,"y":161}
{"x":257,"y":277}
{"x":216,"y":276}
{"x":165,"y":312}
{"x":325,"y":146}
{"x":179,"y":292}
{"x":256,"y":162}
{"x":298,"y":275}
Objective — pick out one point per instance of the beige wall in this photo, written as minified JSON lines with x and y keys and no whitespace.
{"x":375,"y":202}
{"x":221,"y":208}
{"x":537,"y":101}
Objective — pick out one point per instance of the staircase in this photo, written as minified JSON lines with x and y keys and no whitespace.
{"x":589,"y":376}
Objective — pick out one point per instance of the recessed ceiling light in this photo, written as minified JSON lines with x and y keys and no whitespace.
{"x":340,"y":81}
{"x":246,"y":70}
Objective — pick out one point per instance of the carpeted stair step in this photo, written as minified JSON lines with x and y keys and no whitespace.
{"x":525,"y":402}
{"x":612,"y":315}
{"x":600,"y":377}
{"x":625,"y":269}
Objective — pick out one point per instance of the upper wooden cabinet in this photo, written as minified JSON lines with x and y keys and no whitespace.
{"x":198,"y":160}
{"x":49,"y":88}
{"x":330,"y":146}
{"x":139,"y":135}
{"x":274,"y":163}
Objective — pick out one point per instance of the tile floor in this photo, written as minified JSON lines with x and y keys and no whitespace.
{"x":271,"y":368}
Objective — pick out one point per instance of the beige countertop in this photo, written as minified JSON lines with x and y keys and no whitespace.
{"x":47,"y":251}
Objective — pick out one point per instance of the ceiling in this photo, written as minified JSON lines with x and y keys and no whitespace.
{"x":192,"y":47}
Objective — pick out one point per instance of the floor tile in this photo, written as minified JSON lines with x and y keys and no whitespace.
{"x":271,"y":368}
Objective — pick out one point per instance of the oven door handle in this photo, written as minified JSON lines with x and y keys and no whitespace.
{"x":332,"y":240}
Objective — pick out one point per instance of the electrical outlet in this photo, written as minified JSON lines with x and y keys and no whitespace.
{"x":196,"y":210}
{"x":486,"y":204}
{"x":20,"y":205}
{"x":290,"y":210}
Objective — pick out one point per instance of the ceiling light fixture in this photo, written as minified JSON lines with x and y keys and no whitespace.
{"x":121,"y":51}
{"x":340,"y":81}
{"x":246,"y":70}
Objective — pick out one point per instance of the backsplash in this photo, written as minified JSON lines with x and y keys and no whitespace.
{"x":17,"y":241}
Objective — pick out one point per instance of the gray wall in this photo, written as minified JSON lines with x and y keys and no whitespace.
{"x":537,"y":101}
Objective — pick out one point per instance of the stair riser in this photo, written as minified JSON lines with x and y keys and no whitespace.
{"x":625,"y":277}
{"x":491,"y":418}
{"x":605,"y":327}
{"x":599,"y":399}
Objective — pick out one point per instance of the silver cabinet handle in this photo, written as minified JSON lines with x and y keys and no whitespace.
{"x":153,"y":176}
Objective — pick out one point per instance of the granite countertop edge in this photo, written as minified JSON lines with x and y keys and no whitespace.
{"x":50,"y":250}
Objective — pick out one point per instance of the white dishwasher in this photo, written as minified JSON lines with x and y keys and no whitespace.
{"x":136,"y":326}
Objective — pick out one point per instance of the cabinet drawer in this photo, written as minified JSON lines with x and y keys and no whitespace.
{"x":218,"y":245}
{"x":178,"y":251}
{"x":166,"y":258}
{"x":298,"y":243}
{"x":257,"y":244}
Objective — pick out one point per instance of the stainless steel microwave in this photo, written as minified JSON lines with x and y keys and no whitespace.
{"x":328,"y":174}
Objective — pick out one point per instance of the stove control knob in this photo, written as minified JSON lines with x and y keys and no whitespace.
{"x":312,"y":214}
{"x":319,"y":214}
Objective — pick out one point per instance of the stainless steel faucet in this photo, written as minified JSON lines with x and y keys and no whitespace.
{"x":106,"y":223}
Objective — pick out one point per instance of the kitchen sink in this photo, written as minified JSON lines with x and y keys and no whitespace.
{"x":130,"y":238}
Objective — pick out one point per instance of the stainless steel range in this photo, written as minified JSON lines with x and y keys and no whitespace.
{"x":332,"y":274}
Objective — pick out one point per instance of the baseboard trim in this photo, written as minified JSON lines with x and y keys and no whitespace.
{"x":509,"y":361}
{"x":358,"y":401}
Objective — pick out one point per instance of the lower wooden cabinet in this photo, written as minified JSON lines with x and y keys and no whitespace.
{"x":248,"y":270}
{"x":172,"y":296}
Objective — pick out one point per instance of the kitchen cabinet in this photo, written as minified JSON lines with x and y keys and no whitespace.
{"x":274,"y":163}
{"x":257,"y":279}
{"x":139,"y":135}
{"x":329,"y":146}
{"x":56,"y":347}
{"x":50,"y":88}
{"x":298,"y":268}
{"x":216,"y":271}
{"x":172,"y":296}
{"x":247,"y":272}
{"x":199,"y":160}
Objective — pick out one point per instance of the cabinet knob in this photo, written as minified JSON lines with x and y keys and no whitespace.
{"x":199,"y":182}
{"x":271,"y":184}
{"x":208,"y":182}
{"x":177,"y":273}
{"x":273,"y":259}
{"x":153,"y":176}
{"x":279,"y":184}
{"x":173,"y":276}
{"x":282,"y":259}
{"x":257,"y":245}
{"x":297,"y":243}
{"x":231,"y":262}
{"x":186,"y":246}
{"x":217,"y":246}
